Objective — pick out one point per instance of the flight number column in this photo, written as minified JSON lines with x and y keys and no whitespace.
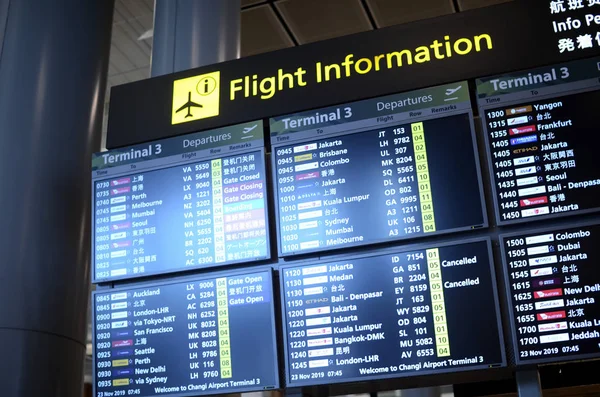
{"x":198,"y":214}
{"x":437,"y":300}
{"x":426,"y":200}
{"x":412,"y":305}
{"x":217,"y":197}
{"x":223,"y":320}
{"x":202,"y":343}
{"x":401,"y":201}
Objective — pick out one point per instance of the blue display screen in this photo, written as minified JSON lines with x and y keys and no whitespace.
{"x":395,"y":182}
{"x":213,"y":335}
{"x":406,"y":313}
{"x":199,"y":214}
{"x":553,"y":288}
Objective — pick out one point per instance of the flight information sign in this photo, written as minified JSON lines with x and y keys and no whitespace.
{"x":539,"y":126}
{"x":186,"y":338}
{"x":553,"y":286}
{"x":186,"y":202}
{"x":389,"y":168}
{"x":406,"y":313}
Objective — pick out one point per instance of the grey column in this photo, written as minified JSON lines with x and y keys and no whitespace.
{"x":528,"y":383}
{"x":53,"y":66}
{"x":193,"y":33}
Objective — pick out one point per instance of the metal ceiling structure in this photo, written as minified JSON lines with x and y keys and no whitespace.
{"x":267,"y":25}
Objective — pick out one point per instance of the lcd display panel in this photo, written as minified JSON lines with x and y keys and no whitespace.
{"x":553,"y":286}
{"x":208,"y":335}
{"x":541,"y":128}
{"x":390,"y":168}
{"x":405,"y":313}
{"x":189,"y":202}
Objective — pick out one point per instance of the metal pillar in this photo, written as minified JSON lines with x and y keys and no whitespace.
{"x":53,"y":66}
{"x":193,"y":33}
{"x":528,"y":383}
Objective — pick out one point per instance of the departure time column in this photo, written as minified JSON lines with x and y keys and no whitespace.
{"x":297,"y":324}
{"x":288,"y":209}
{"x":103,"y":229}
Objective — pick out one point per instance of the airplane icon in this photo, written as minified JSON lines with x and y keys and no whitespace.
{"x":188,"y":105}
{"x":450,"y":91}
{"x":248,"y":129}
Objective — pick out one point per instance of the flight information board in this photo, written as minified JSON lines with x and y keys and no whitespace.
{"x":539,"y":127}
{"x":407,"y":313}
{"x":186,"y":202}
{"x":553,"y":286}
{"x":186,"y":338}
{"x":389,"y":168}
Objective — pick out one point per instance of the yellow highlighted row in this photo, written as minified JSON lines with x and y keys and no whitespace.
{"x":120,"y":363}
{"x":303,"y":157}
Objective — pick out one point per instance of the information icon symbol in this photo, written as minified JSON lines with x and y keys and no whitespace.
{"x":206,"y":86}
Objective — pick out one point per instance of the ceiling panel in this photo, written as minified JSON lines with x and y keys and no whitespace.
{"x":117,"y":79}
{"x":141,"y":24}
{"x":138,"y":74}
{"x":130,"y":9}
{"x":394,"y":12}
{"x":132,"y":18}
{"x":125,"y":39}
{"x":314,"y":20}
{"x":119,"y":61}
{"x":111,"y":69}
{"x":262,"y":31}
{"x":470,"y":4}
